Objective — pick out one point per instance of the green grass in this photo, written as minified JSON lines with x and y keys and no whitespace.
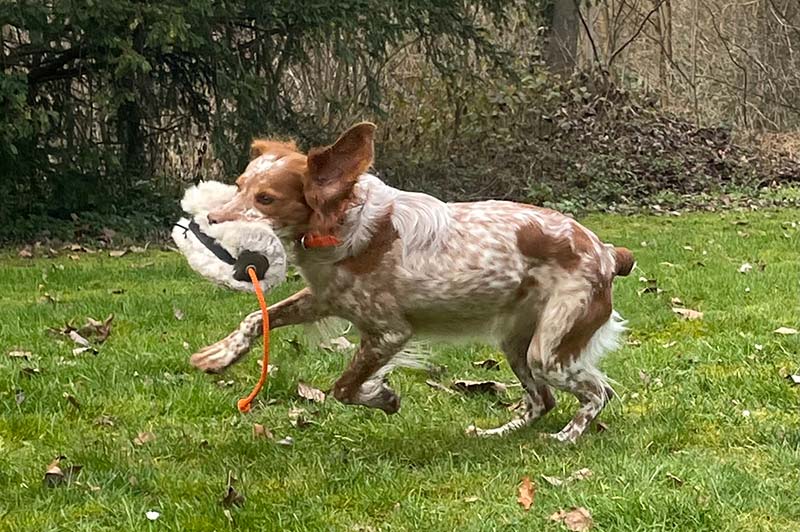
{"x":357,"y":469}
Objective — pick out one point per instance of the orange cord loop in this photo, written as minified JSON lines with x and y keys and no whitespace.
{"x":244,"y":404}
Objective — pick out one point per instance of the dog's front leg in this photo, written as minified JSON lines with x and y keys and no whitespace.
{"x":362,"y":383}
{"x":296,"y":309}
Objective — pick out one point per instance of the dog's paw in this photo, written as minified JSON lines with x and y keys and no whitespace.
{"x":217,"y":357}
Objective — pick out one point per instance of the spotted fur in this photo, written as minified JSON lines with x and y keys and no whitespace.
{"x":533,"y":281}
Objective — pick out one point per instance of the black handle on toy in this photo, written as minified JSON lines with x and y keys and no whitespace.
{"x":250,"y":258}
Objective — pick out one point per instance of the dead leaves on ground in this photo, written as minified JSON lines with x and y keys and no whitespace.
{"x":232,"y":497}
{"x":310,"y":393}
{"x":687,"y":313}
{"x":91,"y":333}
{"x":526,"y":492}
{"x":55,"y":475}
{"x":786,"y":331}
{"x":580,"y":474}
{"x":489,"y":363}
{"x":577,"y":519}
{"x":468,"y":387}
{"x":143,"y":438}
{"x":262,"y":432}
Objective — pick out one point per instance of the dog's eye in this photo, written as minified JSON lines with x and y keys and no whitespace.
{"x":264,"y":199}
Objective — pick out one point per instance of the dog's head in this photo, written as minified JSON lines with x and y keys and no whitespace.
{"x":300,"y":193}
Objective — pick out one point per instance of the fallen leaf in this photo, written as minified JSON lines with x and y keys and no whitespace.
{"x":471,"y":499}
{"x":100,"y":330}
{"x":78,"y":339}
{"x":688,"y":313}
{"x":439,"y":386}
{"x":104,"y":421}
{"x":338,"y":344}
{"x":179,"y":315}
{"x":117,"y":253}
{"x":675,"y":480}
{"x":577,"y":520}
{"x":651,"y":288}
{"x":227,"y":513}
{"x":676,"y":301}
{"x":745,"y":268}
{"x":489,"y":363}
{"x":668,"y":345}
{"x":297,"y":417}
{"x":19,"y":396}
{"x":152,"y":515}
{"x":553,"y":481}
{"x":493,"y":387}
{"x":599,"y":426}
{"x":794,"y":379}
{"x":288,"y":441}
{"x":25,"y":355}
{"x":644,"y":377}
{"x":580,"y":474}
{"x":117,"y":291}
{"x":260,"y":431}
{"x":138,"y":249}
{"x":144,"y":438}
{"x":25,"y":253}
{"x":30,"y":372}
{"x":785,"y":330}
{"x":526,"y":493}
{"x":55,"y":475}
{"x":232,"y":497}
{"x":309,"y":392}
{"x":71,"y":399}
{"x":81,"y":350}
{"x":224,"y":384}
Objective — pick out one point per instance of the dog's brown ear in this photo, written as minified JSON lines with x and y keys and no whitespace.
{"x":278,"y":148}
{"x":333,"y":172}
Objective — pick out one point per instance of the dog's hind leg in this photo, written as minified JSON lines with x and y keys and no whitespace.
{"x":538,"y":399}
{"x":572,"y":337}
{"x":217,"y":357}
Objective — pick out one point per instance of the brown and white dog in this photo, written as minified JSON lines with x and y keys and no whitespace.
{"x":401,"y":264}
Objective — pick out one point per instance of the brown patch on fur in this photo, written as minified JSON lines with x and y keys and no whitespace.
{"x":597,"y":313}
{"x":278,"y":148}
{"x":371,"y":257}
{"x":533,"y":242}
{"x":625,"y":261}
{"x":333,"y":172}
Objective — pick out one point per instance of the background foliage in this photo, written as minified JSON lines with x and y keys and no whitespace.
{"x":111,"y":107}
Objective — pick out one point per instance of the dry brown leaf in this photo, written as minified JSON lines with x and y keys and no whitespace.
{"x":30,"y":372}
{"x":104,"y":421}
{"x":580,"y":474}
{"x":577,"y":520}
{"x":688,"y":313}
{"x":439,"y":386}
{"x":471,"y":499}
{"x":56,"y":476}
{"x":78,"y":339}
{"x":298,"y":419}
{"x":309,"y":392}
{"x":553,"y":481}
{"x":232,"y":497}
{"x":71,"y":399}
{"x":785,"y":330}
{"x":117,"y":253}
{"x":100,"y":330}
{"x":260,"y":431}
{"x":676,"y":301}
{"x":466,"y":386}
{"x":489,"y":363}
{"x":599,"y":426}
{"x":25,"y":355}
{"x":144,"y":438}
{"x":25,"y":253}
{"x":526,"y":493}
{"x":794,"y":379}
{"x":288,"y":441}
{"x":179,"y":315}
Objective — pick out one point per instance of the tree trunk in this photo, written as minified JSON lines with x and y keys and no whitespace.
{"x":562,"y":43}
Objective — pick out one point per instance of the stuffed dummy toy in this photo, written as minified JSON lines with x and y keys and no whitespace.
{"x":221,"y":252}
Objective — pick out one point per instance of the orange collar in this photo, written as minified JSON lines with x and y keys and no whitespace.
{"x":310,"y":240}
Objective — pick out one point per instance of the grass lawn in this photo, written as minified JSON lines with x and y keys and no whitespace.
{"x":704,"y":436}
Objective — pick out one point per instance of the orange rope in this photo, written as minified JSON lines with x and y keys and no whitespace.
{"x":244,"y":404}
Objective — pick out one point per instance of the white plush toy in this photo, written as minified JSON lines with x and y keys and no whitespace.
{"x":221,"y":252}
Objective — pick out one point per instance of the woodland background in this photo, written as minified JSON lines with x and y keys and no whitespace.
{"x":110,"y":108}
